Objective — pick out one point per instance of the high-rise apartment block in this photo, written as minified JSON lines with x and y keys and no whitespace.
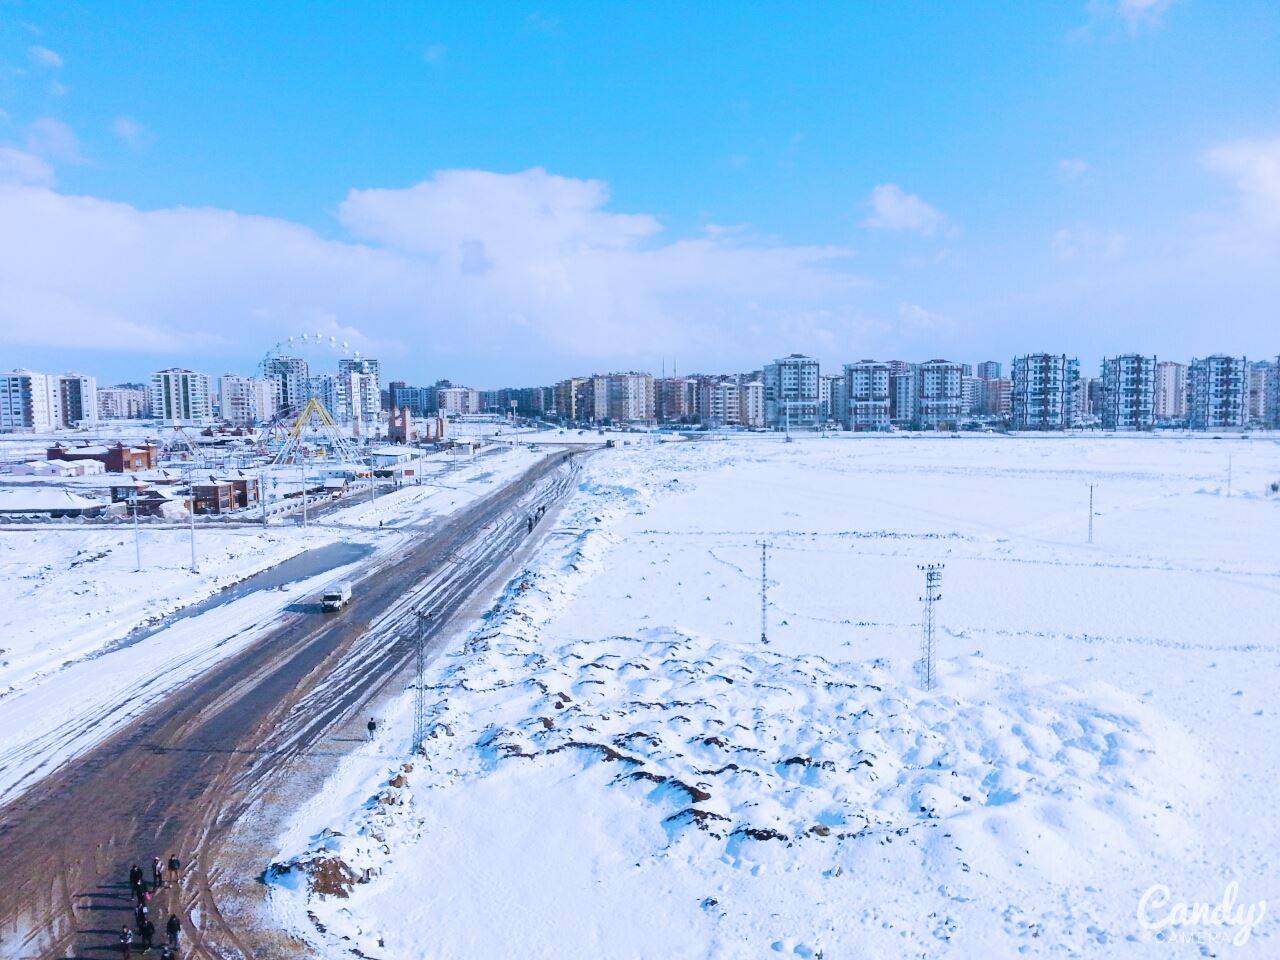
{"x":28,"y":401}
{"x":1128,"y":392}
{"x":77,"y":400}
{"x":938,"y":396}
{"x":245,"y":401}
{"x":1044,"y":392}
{"x":792,"y":392}
{"x":359,"y":389}
{"x":124,"y":401}
{"x":181,"y":395}
{"x":1261,"y":373}
{"x":867,"y":389}
{"x":1217,"y":391}
{"x":291,"y":382}
{"x":1171,"y":391}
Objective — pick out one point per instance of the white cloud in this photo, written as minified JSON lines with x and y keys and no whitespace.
{"x":1074,"y":243}
{"x":1255,"y":166}
{"x":131,"y":133}
{"x":17,"y":166}
{"x":892,"y":208}
{"x":468,"y":263}
{"x":915,"y":319}
{"x":434,"y":53}
{"x":1137,"y":13}
{"x":53,"y":140}
{"x":44,"y":57}
{"x":1072,"y":168}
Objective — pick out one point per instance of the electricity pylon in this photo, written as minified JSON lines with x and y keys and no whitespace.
{"x":932,"y":581}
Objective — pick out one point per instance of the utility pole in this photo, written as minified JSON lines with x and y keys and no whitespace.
{"x":137,"y":533}
{"x":764,"y":591}
{"x":932,"y":580}
{"x":262,"y":494}
{"x":1091,"y":513}
{"x":304,"y":489}
{"x":191,"y":489}
{"x":420,"y":690}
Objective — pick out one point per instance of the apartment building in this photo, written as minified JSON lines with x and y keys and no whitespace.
{"x":291,"y":382}
{"x":359,"y":388}
{"x":792,"y":392}
{"x":1044,"y":392}
{"x":77,"y":400}
{"x":125,"y":401}
{"x":181,"y":395}
{"x":1128,"y":392}
{"x":938,"y":396}
{"x":1171,"y":392}
{"x":28,"y":401}
{"x":1217,"y":392}
{"x":245,"y":401}
{"x":867,"y":389}
{"x":1261,"y":373}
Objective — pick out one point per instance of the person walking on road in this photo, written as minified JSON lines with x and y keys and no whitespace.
{"x":174,"y":929}
{"x":148,"y":935}
{"x":157,"y":873}
{"x":135,"y":880}
{"x":126,"y":942}
{"x":140,"y":915}
{"x":373,"y":727}
{"x":175,"y":867}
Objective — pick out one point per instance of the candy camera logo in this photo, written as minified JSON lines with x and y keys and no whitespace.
{"x":1225,"y":920}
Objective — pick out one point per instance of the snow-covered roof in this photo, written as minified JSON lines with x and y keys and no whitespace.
{"x":44,"y":500}
{"x":397,"y":452}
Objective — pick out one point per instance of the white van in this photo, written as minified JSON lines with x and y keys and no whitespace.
{"x":336,"y":596}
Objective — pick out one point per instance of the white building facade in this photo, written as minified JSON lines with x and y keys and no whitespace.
{"x":123,"y":403}
{"x":181,"y":395}
{"x":1044,"y":392}
{"x":246,"y":401}
{"x":1128,"y":392}
{"x":28,"y":401}
{"x":1217,"y":389}
{"x":792,"y":392}
{"x":866,"y":386}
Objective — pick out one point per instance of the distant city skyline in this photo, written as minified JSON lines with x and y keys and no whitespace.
{"x":508,"y":194}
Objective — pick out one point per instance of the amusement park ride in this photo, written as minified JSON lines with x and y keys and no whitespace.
{"x":300,"y":431}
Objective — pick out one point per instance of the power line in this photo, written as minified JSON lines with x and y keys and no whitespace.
{"x":932,"y":581}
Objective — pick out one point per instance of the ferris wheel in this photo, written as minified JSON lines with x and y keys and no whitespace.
{"x":308,"y":346}
{"x":300,"y":414}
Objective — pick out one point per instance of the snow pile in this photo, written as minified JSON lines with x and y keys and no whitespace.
{"x":620,"y":769}
{"x":722,"y":755}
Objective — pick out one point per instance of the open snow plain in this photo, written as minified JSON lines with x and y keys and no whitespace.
{"x":619,"y":768}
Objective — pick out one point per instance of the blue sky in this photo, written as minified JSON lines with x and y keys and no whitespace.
{"x":723,"y":183}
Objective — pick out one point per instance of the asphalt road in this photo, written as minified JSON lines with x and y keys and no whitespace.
{"x":180,"y":776}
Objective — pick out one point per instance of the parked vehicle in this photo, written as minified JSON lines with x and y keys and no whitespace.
{"x":336,"y":596}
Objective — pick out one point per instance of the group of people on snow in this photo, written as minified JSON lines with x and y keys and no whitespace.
{"x":143,"y":894}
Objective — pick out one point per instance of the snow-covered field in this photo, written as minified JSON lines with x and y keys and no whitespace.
{"x":73,"y":665}
{"x":619,"y":768}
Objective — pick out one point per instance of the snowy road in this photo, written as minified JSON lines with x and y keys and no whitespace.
{"x":180,"y":773}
